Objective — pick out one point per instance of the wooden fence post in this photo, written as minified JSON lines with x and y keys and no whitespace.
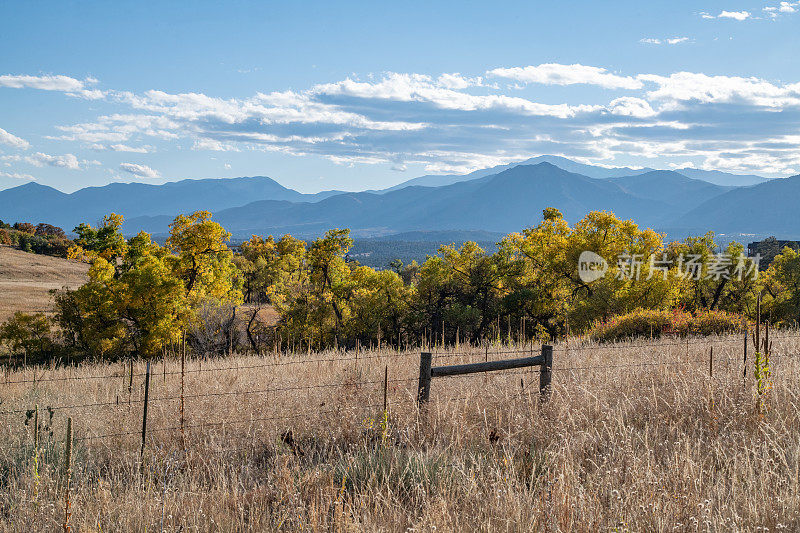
{"x":130,"y":381}
{"x":744,"y":366}
{"x":757,"y":336}
{"x":144,"y":413}
{"x":183,"y":402}
{"x":385,"y":388}
{"x":546,"y":372}
{"x":68,"y":476}
{"x":711,"y":363}
{"x":424,"y":388}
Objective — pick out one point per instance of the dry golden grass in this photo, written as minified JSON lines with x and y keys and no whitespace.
{"x":26,"y":279}
{"x":634,"y":437}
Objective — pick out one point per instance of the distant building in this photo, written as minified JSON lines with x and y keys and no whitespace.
{"x":769,"y":248}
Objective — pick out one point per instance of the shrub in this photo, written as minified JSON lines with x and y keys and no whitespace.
{"x":656,"y":323}
{"x":25,"y":227}
{"x":715,"y":322}
{"x":638,"y":323}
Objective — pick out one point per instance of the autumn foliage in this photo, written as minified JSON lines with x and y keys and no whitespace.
{"x":144,"y":298}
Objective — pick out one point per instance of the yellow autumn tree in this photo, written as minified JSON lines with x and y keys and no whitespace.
{"x":202,"y":260}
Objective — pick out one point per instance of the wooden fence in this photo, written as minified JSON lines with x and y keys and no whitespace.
{"x":427,"y":372}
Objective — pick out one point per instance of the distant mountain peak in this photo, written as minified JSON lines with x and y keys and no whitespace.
{"x":591,"y":171}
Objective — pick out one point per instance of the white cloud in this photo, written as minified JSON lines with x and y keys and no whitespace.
{"x":685,"y":164}
{"x":146,"y":149}
{"x":673,"y":40}
{"x":454,"y":122}
{"x":690,"y":86}
{"x":631,"y":106}
{"x":12,"y":140}
{"x":142,"y":171}
{"x":781,"y":9}
{"x":736,"y":15}
{"x":17,"y":176}
{"x":456,"y":81}
{"x":421,"y":89}
{"x":59,"y":83}
{"x":558,"y":74}
{"x":215,"y":146}
{"x":68,"y":161}
{"x":120,"y":127}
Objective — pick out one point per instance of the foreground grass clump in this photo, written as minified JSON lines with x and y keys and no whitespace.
{"x":657,"y":323}
{"x":633,"y":437}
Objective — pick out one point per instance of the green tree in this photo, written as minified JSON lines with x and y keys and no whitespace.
{"x":710,"y":277}
{"x":27,"y":336}
{"x":781,"y":284}
{"x":105,"y":241}
{"x":378,"y":306}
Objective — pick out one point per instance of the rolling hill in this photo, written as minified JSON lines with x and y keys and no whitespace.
{"x":26,"y":280}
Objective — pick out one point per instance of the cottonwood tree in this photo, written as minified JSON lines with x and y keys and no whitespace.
{"x":26,"y":336}
{"x":781,"y":283}
{"x":201,"y":258}
{"x":105,"y":241}
{"x":135,"y":306}
{"x":140,"y":296}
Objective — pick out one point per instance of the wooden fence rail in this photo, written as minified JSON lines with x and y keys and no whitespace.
{"x":427,"y":372}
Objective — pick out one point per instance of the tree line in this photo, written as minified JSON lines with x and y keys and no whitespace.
{"x":146,"y":299}
{"x":42,"y":238}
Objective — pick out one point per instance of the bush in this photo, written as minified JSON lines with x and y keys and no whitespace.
{"x":715,"y":323}
{"x":656,"y":323}
{"x":638,"y":323}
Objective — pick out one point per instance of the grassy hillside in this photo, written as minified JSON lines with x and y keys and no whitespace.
{"x":26,"y":279}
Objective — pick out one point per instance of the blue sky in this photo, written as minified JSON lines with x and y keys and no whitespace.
{"x":356,"y":95}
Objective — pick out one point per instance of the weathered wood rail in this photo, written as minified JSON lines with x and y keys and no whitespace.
{"x":427,"y":371}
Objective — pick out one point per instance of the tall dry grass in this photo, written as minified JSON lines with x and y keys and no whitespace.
{"x":634,"y":437}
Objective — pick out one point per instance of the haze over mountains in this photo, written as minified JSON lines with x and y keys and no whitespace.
{"x":501,"y":199}
{"x":711,"y":176}
{"x":41,"y":203}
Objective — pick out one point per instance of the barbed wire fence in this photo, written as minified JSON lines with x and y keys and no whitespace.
{"x":567,"y":373}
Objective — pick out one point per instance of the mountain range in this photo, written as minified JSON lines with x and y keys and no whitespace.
{"x":34,"y":202}
{"x":497,"y":200}
{"x":711,"y":176}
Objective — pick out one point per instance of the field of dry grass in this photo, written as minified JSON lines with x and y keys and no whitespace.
{"x":26,"y":279}
{"x":634,"y":437}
